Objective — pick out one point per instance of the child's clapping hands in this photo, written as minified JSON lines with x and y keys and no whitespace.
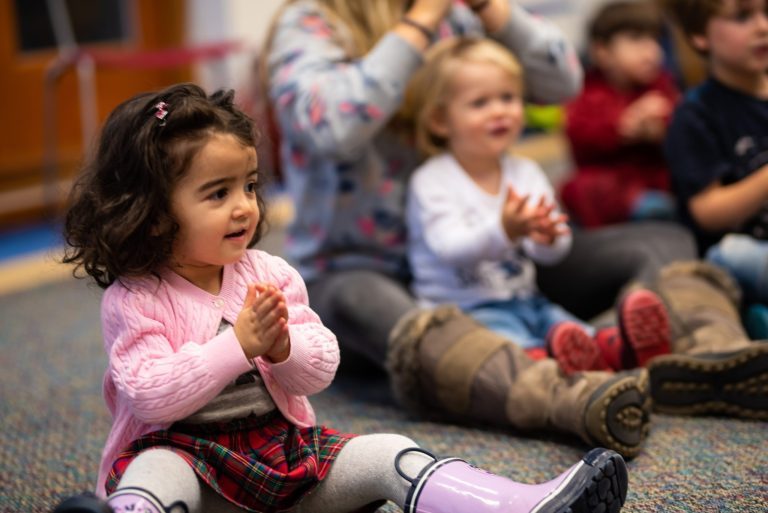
{"x":262,"y":326}
{"x":522,"y":220}
{"x":646,"y":118}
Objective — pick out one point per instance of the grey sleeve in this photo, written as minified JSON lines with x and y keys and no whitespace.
{"x":325,"y":101}
{"x":553,"y":72}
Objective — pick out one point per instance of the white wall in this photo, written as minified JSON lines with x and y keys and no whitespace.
{"x":570,"y":15}
{"x":226,"y":20}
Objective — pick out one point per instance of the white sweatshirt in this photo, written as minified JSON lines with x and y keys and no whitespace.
{"x":458,"y":250}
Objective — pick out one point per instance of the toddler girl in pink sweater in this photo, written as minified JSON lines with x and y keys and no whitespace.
{"x":213,"y":348}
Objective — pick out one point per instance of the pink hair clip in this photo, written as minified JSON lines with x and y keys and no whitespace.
{"x":161,"y":112}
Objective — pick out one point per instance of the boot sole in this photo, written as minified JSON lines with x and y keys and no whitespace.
{"x":597,"y":484}
{"x":618,"y":413}
{"x":732,"y":384}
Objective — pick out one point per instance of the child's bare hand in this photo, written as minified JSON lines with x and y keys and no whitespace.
{"x":281,"y":348}
{"x":430,"y":11}
{"x":646,"y":118}
{"x":546,"y":227}
{"x":516,"y":216}
{"x":263,"y":322}
{"x":653,"y":105}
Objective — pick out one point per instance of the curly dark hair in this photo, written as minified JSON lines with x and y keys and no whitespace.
{"x":119,"y":221}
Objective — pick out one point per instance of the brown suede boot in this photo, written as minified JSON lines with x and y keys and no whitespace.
{"x":714,"y":368}
{"x":444,"y":364}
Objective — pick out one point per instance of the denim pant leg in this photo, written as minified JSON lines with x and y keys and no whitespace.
{"x":746,"y":259}
{"x":551,"y":314}
{"x":510,"y":319}
{"x":525,"y":321}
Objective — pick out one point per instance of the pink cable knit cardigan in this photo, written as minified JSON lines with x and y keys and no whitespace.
{"x":166,"y":360}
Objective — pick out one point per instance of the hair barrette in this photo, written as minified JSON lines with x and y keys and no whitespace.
{"x":161,"y":112}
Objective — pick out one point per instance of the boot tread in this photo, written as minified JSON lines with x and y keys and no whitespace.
{"x":618,"y":413}
{"x":733,"y":384}
{"x":598,"y":486}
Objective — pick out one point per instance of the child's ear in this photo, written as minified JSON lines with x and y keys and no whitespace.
{"x":699,"y":43}
{"x":437,"y":123}
{"x":160,"y":227}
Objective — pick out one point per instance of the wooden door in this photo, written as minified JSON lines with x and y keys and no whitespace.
{"x":148,"y":25}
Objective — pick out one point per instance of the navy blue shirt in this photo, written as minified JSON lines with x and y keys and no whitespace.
{"x":717,"y":134}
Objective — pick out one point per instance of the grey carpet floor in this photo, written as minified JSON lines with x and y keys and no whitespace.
{"x":53,"y":423}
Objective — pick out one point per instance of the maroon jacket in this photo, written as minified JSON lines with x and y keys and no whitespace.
{"x":610,"y":173}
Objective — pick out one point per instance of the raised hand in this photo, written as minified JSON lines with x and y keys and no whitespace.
{"x":517,"y":217}
{"x":281,"y":349}
{"x":546,"y":227}
{"x":537,"y":222}
{"x":262,"y":325}
{"x":645,"y":119}
{"x":429,"y":12}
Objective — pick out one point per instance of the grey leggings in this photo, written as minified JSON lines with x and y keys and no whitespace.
{"x":363,"y":473}
{"x":603,"y":261}
{"x":361,"y":307}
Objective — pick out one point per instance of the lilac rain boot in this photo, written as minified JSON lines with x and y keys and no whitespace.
{"x":598,"y":483}
{"x":130,"y":499}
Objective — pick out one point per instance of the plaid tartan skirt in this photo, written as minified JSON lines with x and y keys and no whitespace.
{"x":261,"y":463}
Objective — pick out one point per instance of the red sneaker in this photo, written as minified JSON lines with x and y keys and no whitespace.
{"x":610,"y":344}
{"x":644,"y":327}
{"x":573,"y":349}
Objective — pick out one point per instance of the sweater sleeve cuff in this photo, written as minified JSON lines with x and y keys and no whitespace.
{"x":225,"y":355}
{"x":548,"y":255}
{"x":294,"y":364}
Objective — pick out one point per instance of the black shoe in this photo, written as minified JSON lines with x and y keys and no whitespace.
{"x":732,"y":384}
{"x":84,"y":503}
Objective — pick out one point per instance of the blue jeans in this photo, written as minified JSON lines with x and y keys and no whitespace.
{"x":746,"y":259}
{"x":525,"y":321}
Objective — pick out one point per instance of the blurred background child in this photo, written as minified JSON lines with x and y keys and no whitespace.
{"x":717,"y":145}
{"x":617,"y":124}
{"x":479,"y":219}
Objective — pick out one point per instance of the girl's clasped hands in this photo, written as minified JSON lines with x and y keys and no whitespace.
{"x":262,"y":326}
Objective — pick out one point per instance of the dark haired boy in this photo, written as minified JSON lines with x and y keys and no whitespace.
{"x":617,"y":124}
{"x":717,"y":144}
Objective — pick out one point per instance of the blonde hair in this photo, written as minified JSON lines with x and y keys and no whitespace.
{"x":366,"y":21}
{"x":430,"y":87}
{"x":357,"y":24}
